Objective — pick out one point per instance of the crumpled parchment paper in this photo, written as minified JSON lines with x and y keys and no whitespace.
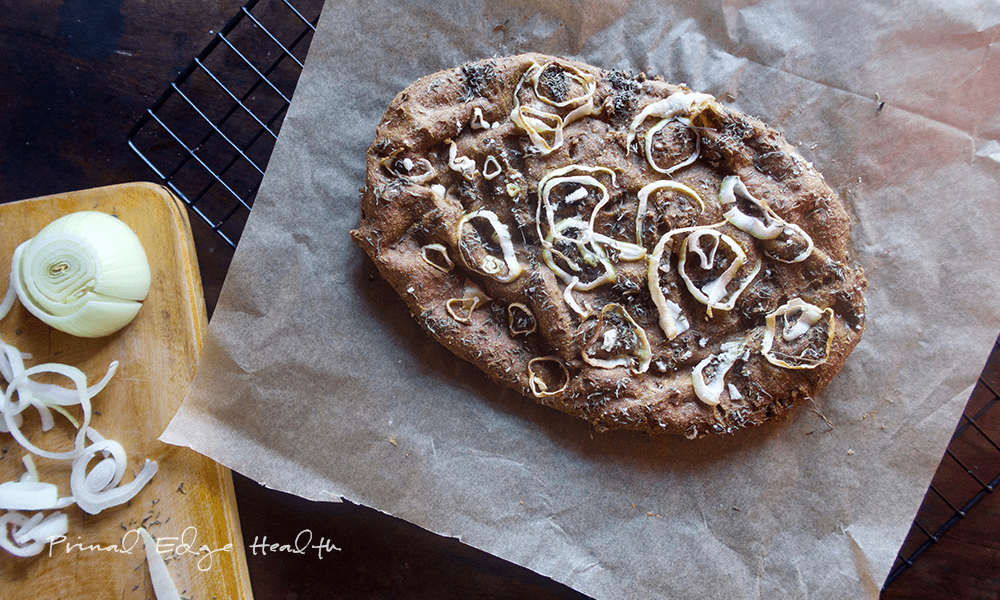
{"x":316,"y":381}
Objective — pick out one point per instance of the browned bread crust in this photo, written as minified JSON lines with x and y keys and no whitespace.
{"x":616,"y":247}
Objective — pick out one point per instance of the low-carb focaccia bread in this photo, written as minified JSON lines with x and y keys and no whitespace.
{"x":616,"y":247}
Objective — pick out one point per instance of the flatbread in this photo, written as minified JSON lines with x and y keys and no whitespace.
{"x":613,"y":246}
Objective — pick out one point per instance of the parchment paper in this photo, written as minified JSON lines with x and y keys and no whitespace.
{"x":316,"y":381}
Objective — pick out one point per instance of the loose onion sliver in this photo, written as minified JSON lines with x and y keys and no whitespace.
{"x":16,"y":521}
{"x":110,"y":470}
{"x":538,"y":387}
{"x":585,"y":79}
{"x":23,"y":535}
{"x":94,"y":502}
{"x":463,"y":164}
{"x":489,"y":174}
{"x":812,"y":314}
{"x":729,"y":189}
{"x":52,"y":394}
{"x":44,"y":530}
{"x":34,"y":530}
{"x":78,"y":378}
{"x":446,"y":264}
{"x":163,"y":585}
{"x":713,"y":293}
{"x":28,"y":495}
{"x":583,"y":311}
{"x":546,"y":183}
{"x":30,"y":471}
{"x":12,"y":362}
{"x":637,"y":360}
{"x":548,"y":252}
{"x":530,"y":120}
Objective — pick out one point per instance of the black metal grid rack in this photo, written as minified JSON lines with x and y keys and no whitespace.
{"x":968,"y":472}
{"x":209,"y":136}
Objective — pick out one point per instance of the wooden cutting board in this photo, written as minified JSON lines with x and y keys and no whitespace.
{"x":189,"y":505}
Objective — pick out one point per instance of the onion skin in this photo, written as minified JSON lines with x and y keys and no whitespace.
{"x":85,"y":274}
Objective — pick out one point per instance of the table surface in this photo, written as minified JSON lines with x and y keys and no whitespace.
{"x":78,"y":75}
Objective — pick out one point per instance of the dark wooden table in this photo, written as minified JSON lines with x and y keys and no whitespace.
{"x":77,"y":75}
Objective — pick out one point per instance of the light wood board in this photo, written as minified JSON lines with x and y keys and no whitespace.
{"x":190,"y":500}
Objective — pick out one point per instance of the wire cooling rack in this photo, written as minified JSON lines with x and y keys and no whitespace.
{"x":968,"y":472}
{"x":209,"y":136}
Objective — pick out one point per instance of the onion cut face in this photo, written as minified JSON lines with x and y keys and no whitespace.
{"x":85,"y":273}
